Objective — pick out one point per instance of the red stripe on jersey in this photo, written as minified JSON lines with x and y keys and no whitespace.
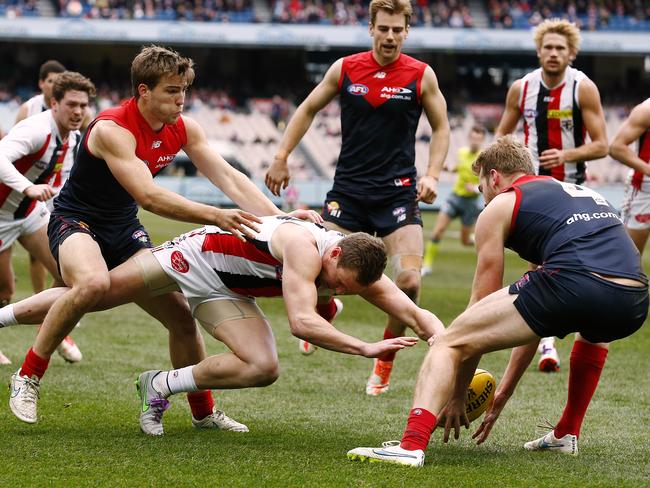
{"x":22,"y":165}
{"x":644,"y":154}
{"x":555,"y":129}
{"x":521,"y":110}
{"x":270,"y":291}
{"x":230,"y":245}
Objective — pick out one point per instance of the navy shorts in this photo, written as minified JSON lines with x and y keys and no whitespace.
{"x":382,"y":215}
{"x":116,"y":242}
{"x":467,"y":208}
{"x":556,"y":302}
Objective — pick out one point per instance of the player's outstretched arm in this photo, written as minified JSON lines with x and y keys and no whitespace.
{"x":594,"y":122}
{"x":301,"y":267}
{"x":511,"y":113}
{"x":386,"y":296}
{"x":116,"y":146}
{"x":232,"y":182}
{"x":277,"y":176}
{"x":435,"y":108}
{"x":636,"y":124}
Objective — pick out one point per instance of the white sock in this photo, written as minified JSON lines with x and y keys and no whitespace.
{"x":7,"y":316}
{"x":175,"y":381}
{"x":548,"y":341}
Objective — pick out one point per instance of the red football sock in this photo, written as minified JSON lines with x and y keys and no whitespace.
{"x":389,"y":357}
{"x":327,"y":310}
{"x":418,"y":431}
{"x":586,"y":364}
{"x":34,"y":365}
{"x":201,"y":403}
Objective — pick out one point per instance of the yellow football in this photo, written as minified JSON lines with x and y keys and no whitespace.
{"x":480,"y":394}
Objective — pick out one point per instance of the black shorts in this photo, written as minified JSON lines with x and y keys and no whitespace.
{"x":557,"y":302}
{"x":372,"y":214}
{"x":116,"y":242}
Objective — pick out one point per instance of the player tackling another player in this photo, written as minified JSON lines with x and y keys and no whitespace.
{"x":219,"y":274}
{"x":589,"y":280}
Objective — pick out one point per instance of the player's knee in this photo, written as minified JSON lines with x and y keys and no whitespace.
{"x":264,"y":372}
{"x":91,"y":290}
{"x":409,"y":282}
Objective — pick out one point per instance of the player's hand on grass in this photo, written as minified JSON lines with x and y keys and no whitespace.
{"x":377,"y":349}
{"x":240,"y":223}
{"x":277,"y":177}
{"x":453,"y":416}
{"x":39,"y":192}
{"x":427,"y":189}
{"x":490,"y":418}
{"x":308,"y":215}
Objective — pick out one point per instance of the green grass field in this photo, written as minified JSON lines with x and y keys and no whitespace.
{"x":302,"y":426}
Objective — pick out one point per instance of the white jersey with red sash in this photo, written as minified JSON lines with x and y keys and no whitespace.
{"x":36,"y":105}
{"x":211,"y":264}
{"x":639,"y":180}
{"x":32,"y":153}
{"x":553,"y":120}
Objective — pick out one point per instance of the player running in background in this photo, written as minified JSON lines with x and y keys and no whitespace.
{"x":589,"y":281}
{"x":382,"y":94}
{"x":220,"y":275}
{"x":464,"y":201}
{"x":31,"y":154}
{"x":560,"y":106}
{"x":636,"y":206}
{"x":94,"y":226}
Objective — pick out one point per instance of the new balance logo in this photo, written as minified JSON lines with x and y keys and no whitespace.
{"x":156,"y":144}
{"x":380,"y":75}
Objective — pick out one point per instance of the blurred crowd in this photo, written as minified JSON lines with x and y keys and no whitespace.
{"x":587,"y":14}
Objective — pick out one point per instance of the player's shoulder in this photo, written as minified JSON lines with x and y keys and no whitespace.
{"x":35,"y":125}
{"x":410,"y":61}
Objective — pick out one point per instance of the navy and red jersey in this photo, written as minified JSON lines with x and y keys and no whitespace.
{"x":92,"y":192}
{"x":380,"y":111}
{"x":567,"y":226}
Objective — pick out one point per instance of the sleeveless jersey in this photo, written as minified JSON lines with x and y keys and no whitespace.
{"x":92,"y":192}
{"x":37,"y":152}
{"x":36,"y":105}
{"x":567,"y":226}
{"x":465,"y":174}
{"x":209,"y":257}
{"x":553,"y":120}
{"x":639,"y":180}
{"x":380,"y":111}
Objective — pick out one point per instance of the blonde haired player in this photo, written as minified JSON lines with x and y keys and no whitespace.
{"x":560,"y":106}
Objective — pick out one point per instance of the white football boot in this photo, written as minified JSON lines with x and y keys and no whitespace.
{"x":69,"y":350}
{"x":566,"y":445}
{"x":23,"y":397}
{"x":307,"y":348}
{"x":389,"y":452}
{"x":153,"y":404}
{"x":219,"y":420}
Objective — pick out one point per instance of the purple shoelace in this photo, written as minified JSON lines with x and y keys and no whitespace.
{"x":158,"y":405}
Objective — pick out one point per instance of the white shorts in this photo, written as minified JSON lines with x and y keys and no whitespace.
{"x":198,"y":282}
{"x":635,"y":210}
{"x":11,"y":229}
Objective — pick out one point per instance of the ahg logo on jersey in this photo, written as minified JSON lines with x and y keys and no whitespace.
{"x":358,"y":89}
{"x":396,"y":93}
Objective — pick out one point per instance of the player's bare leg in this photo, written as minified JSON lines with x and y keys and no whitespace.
{"x":489,"y":325}
{"x":640,"y":237}
{"x":37,"y":246}
{"x":7,"y":284}
{"x":252,"y":362}
{"x":405,"y":249}
{"x":37,"y":274}
{"x":84,"y":269}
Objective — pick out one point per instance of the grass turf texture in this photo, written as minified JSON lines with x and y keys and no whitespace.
{"x":302,"y":426}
